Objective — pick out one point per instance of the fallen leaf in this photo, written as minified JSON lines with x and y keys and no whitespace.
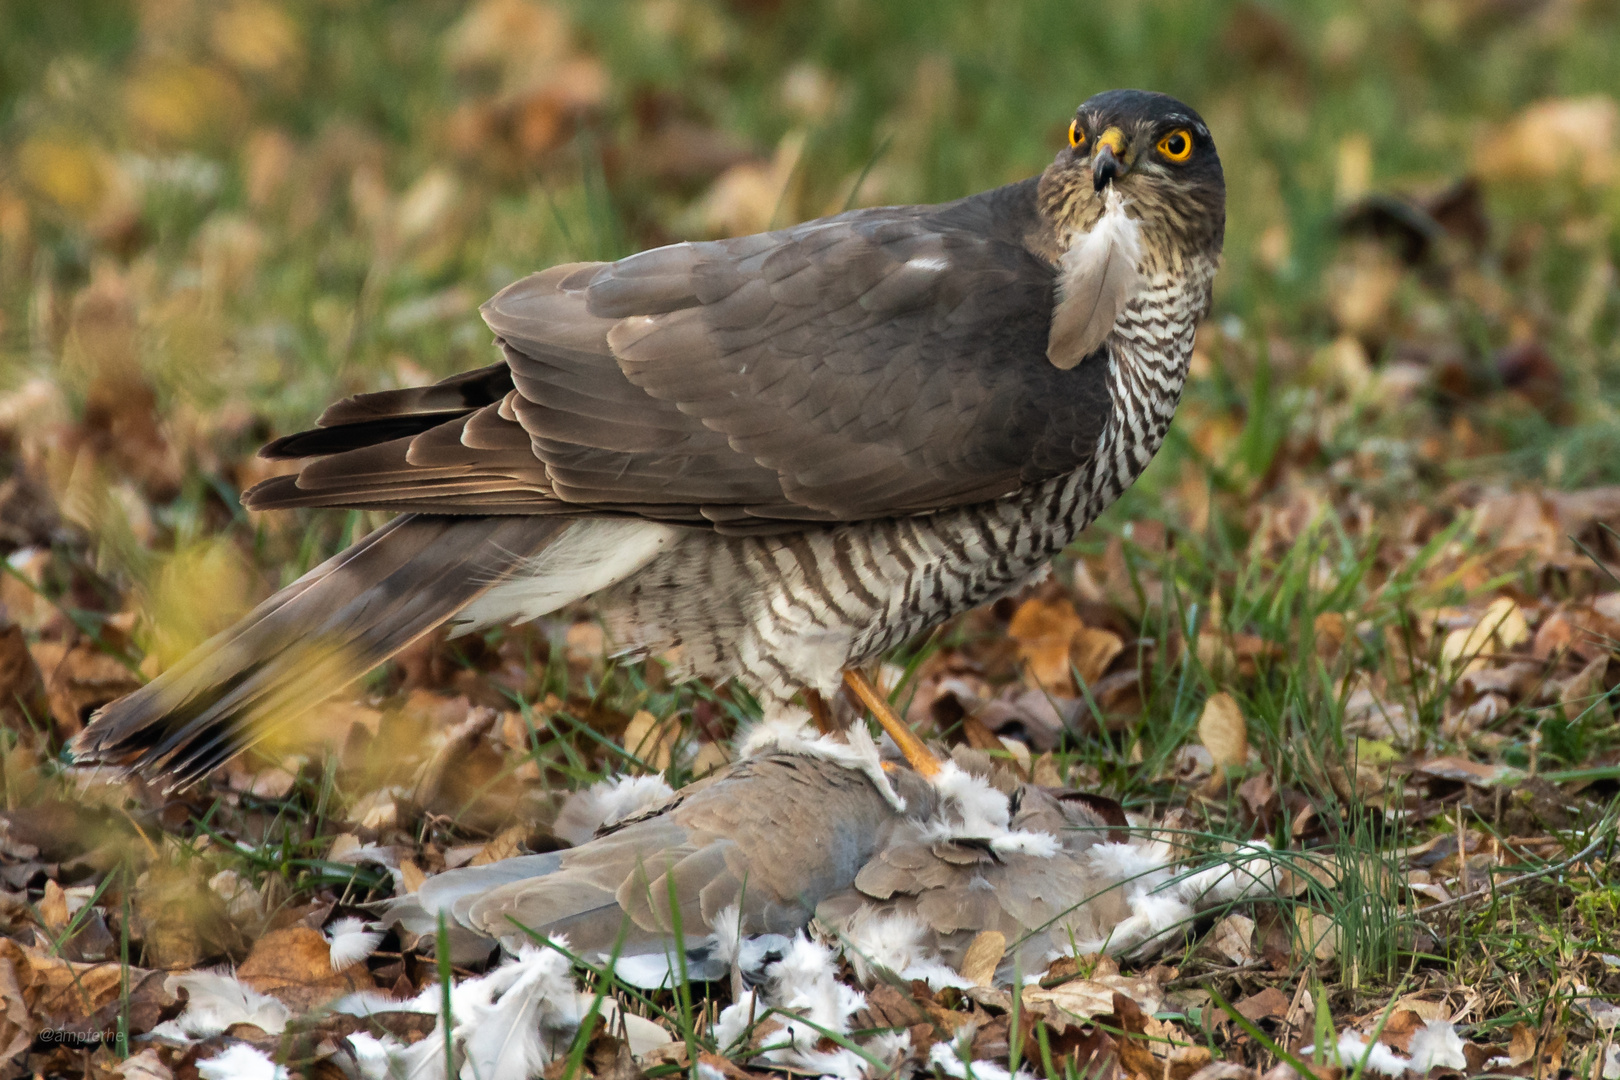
{"x":23,"y":703}
{"x":1043,"y":631}
{"x":1521,"y":1045}
{"x":294,"y":965}
{"x":80,"y":681}
{"x":507,"y":844}
{"x":411,"y":875}
{"x":651,"y":740}
{"x":1222,"y":730}
{"x":1233,"y":938}
{"x":1577,"y":136}
{"x":53,"y":908}
{"x":1269,"y":1004}
{"x":983,"y":956}
{"x":1469,"y":772}
{"x":1318,"y":934}
{"x":180,"y":921}
{"x":1093,"y":651}
{"x":1082,"y":999}
{"x":146,"y":1065}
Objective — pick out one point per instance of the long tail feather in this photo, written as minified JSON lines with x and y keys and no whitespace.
{"x":322,"y":632}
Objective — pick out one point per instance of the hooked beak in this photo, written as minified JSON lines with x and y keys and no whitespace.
{"x":1108,"y":160}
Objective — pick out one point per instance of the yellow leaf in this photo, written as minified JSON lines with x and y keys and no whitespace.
{"x":410,"y":875}
{"x":71,"y":174}
{"x":257,"y":37}
{"x":195,"y":593}
{"x":1223,"y":731}
{"x":1504,"y":619}
{"x":983,"y":956}
{"x":178,"y":102}
{"x":1375,"y":752}
{"x":1318,"y":934}
{"x":1043,"y":631}
{"x":652,"y":740}
{"x":53,"y":907}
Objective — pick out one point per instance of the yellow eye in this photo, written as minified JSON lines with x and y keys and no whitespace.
{"x":1077,"y":137}
{"x":1177,"y":146}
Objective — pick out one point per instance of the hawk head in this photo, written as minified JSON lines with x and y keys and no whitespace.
{"x":1157,"y":157}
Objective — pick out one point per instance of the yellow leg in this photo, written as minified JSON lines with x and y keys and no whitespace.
{"x":819,"y":712}
{"x":922,"y":759}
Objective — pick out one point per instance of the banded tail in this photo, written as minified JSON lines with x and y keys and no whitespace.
{"x":314,"y":637}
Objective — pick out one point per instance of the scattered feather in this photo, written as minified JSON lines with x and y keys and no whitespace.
{"x":954,"y":1058}
{"x":1250,"y":871}
{"x":239,"y":1061}
{"x":370,"y":1002}
{"x":802,"y":992}
{"x":375,"y":1056}
{"x":508,"y":1022}
{"x":1437,"y":1045}
{"x":585,"y":812}
{"x":1353,"y":1047}
{"x":215,"y":1001}
{"x":970,"y":809}
{"x":789,"y":732}
{"x":1098,"y":279}
{"x":889,"y":1047}
{"x":875,"y":939}
{"x":352,"y":940}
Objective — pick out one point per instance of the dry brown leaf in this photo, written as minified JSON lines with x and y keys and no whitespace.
{"x":1469,"y":772}
{"x":1318,"y":934}
{"x":1269,"y":1004}
{"x":1233,"y":938}
{"x":1223,"y":731}
{"x":411,"y":875}
{"x":1082,"y":999}
{"x":1577,"y":136}
{"x":181,"y":921}
{"x":78,"y":681}
{"x":1045,"y":772}
{"x":53,"y":908}
{"x":507,"y":844}
{"x":294,"y":965}
{"x":59,"y":991}
{"x":749,"y":196}
{"x":1093,"y":651}
{"x":146,"y":1065}
{"x":17,"y":1023}
{"x":1043,"y":631}
{"x":1584,"y":687}
{"x":22,"y":689}
{"x":983,"y":956}
{"x":711,"y":756}
{"x":1521,"y":1045}
{"x":585,"y":643}
{"x":652,"y":740}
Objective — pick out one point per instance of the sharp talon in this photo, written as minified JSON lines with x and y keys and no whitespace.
{"x":921,"y":758}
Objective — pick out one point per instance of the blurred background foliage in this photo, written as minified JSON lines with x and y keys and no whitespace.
{"x":215,"y":217}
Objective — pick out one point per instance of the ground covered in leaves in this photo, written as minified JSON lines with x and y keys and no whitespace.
{"x":1364,"y":605}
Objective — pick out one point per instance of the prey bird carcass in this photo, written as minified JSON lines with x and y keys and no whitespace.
{"x":903,"y":870}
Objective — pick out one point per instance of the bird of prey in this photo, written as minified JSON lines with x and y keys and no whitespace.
{"x":770,"y":458}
